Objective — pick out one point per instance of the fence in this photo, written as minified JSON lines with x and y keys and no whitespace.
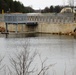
{"x":47,"y":18}
{"x":1,"y":17}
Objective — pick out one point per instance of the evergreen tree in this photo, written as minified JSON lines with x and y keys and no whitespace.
{"x":57,"y":9}
{"x":51,"y":9}
{"x":14,"y":6}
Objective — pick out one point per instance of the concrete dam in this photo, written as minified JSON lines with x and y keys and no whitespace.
{"x":61,"y":23}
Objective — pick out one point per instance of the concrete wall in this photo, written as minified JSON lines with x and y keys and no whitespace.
{"x":56,"y":28}
{"x":47,"y":23}
{"x":43,"y":27}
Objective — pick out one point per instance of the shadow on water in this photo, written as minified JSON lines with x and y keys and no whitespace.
{"x":51,"y":36}
{"x":31,"y":35}
{"x":6,"y":35}
{"x":20,"y":35}
{"x":74,"y":36}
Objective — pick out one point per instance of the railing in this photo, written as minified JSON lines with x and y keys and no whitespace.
{"x":15,"y":18}
{"x":47,"y":18}
{"x":55,"y":18}
{"x":1,"y":17}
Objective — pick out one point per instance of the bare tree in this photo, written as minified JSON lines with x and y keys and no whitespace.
{"x":44,"y":69}
{"x":1,"y":65}
{"x":71,"y":2}
{"x":1,"y":59}
{"x":23,"y":61}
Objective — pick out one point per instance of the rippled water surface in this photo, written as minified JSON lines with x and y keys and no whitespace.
{"x":59,"y":50}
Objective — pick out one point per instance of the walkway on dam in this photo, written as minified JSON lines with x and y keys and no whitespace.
{"x":34,"y":19}
{"x":16,"y":19}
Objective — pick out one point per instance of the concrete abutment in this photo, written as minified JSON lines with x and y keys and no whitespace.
{"x":42,"y":28}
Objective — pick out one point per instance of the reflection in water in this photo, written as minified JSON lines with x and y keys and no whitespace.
{"x":21,"y":35}
{"x":58,"y":49}
{"x":74,"y":36}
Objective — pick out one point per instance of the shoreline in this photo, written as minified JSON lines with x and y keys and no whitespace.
{"x":33,"y":32}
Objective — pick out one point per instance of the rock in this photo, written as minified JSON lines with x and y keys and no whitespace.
{"x":2,"y":29}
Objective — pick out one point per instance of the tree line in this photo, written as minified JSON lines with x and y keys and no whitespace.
{"x":52,"y":9}
{"x":14,"y":6}
{"x":55,"y":9}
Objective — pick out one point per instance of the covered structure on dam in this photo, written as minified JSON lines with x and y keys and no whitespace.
{"x":42,"y":23}
{"x":17,"y":19}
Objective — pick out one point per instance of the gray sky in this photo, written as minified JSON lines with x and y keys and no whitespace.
{"x":40,"y":4}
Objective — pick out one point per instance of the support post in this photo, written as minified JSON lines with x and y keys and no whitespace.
{"x":22,"y":28}
{"x":6,"y":27}
{"x":16,"y":29}
{"x":6,"y":31}
{"x":25,"y":27}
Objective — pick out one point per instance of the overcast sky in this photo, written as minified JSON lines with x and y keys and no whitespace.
{"x":40,"y":4}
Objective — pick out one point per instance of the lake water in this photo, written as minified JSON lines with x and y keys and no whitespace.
{"x":59,"y":50}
